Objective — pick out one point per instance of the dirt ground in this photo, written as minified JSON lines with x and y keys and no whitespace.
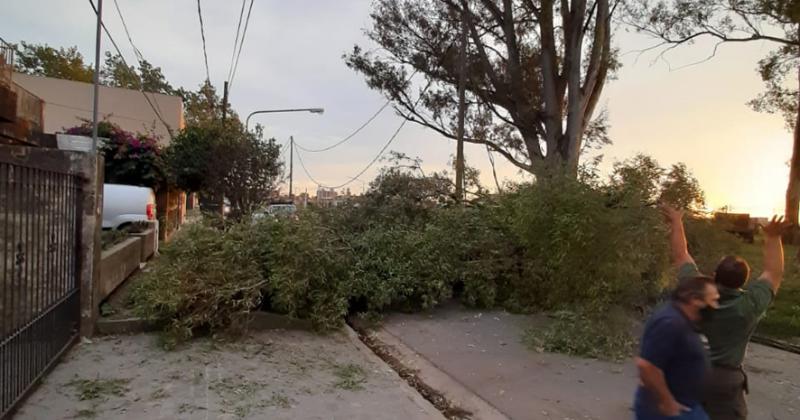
{"x":270,"y":375}
{"x":483,"y":352}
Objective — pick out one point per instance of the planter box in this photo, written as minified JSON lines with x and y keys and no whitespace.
{"x":117,"y":264}
{"x":149,"y":243}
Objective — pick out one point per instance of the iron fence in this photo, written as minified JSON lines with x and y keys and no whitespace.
{"x":40,"y":300}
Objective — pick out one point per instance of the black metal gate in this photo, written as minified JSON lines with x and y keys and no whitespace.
{"x":40,"y":300}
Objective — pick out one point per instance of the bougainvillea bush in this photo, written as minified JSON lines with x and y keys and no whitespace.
{"x":130,"y":158}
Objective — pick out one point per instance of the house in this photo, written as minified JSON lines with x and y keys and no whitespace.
{"x":68,"y":103}
{"x":21,"y":112}
{"x":47,"y":106}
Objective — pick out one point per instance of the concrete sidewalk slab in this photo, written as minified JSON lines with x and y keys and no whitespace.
{"x":483,"y":352}
{"x":270,"y":375}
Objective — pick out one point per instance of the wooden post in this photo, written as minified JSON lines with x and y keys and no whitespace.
{"x":89,"y":244}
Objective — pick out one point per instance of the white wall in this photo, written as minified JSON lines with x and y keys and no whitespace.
{"x":67,"y":102}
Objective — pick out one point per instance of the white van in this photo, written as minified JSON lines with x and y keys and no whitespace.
{"x":126,"y":204}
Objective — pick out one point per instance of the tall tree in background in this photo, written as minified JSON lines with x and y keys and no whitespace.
{"x":44,"y":60}
{"x":147,"y":77}
{"x":679,"y":22}
{"x":535,"y":72}
{"x":248,"y":176}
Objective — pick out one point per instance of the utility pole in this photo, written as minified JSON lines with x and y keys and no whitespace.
{"x":224,"y":114}
{"x":291,"y":164}
{"x":462,"y":105}
{"x":97,"y":75}
{"x":224,"y":103}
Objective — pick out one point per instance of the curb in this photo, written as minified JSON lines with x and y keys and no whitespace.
{"x":452,"y":398}
{"x":777,"y":344}
{"x":424,"y":405}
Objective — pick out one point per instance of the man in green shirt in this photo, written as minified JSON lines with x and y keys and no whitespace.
{"x":742,"y":304}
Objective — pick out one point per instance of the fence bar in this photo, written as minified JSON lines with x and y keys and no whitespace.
{"x":41,"y":287}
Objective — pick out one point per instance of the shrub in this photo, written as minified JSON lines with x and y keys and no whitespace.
{"x":581,"y":250}
{"x":205,"y":279}
{"x":484,"y":254}
{"x":402,"y":268}
{"x":709,"y":242}
{"x":308,"y":267}
{"x":132,"y":159}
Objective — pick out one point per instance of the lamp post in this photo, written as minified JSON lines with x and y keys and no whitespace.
{"x":269,"y":111}
{"x":291,"y":139}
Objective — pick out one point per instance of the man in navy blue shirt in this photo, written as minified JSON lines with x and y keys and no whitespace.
{"x":673,"y":361}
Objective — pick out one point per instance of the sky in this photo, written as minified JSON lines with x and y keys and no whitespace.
{"x":292,"y":58}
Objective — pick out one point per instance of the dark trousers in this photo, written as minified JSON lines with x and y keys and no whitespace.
{"x":723,"y":396}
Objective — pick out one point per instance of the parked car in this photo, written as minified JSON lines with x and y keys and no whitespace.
{"x":124,"y":205}
{"x":276,"y":210}
{"x":282,"y":209}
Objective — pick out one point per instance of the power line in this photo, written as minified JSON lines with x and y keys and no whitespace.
{"x":351,"y":135}
{"x":203,"y":35}
{"x":236,"y":41}
{"x":366,"y":168}
{"x":116,"y":47}
{"x":357,"y":130}
{"x":375,"y":159}
{"x":241,"y":42}
{"x":136,"y":51}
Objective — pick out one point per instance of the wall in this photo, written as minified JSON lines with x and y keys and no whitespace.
{"x":116,"y":264}
{"x":67,"y":102}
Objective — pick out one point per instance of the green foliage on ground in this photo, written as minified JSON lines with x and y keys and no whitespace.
{"x":554,"y":245}
{"x":601,"y":336}
{"x":205,"y":279}
{"x":99,"y":389}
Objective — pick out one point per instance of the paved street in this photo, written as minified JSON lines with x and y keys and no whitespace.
{"x":483,"y":351}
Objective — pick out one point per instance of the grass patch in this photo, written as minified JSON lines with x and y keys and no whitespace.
{"x":577,"y":334}
{"x":238,"y":394}
{"x":96,"y":389}
{"x":783,"y":317}
{"x":109,"y":238}
{"x":350,"y":377}
{"x":86,"y":413}
{"x":158,"y":394}
{"x":279,"y":400}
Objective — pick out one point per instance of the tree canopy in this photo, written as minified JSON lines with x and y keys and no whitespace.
{"x":535,"y":72}
{"x":44,"y":60}
{"x":680,"y":22}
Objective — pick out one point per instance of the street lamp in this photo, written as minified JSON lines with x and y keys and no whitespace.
{"x":268,"y":111}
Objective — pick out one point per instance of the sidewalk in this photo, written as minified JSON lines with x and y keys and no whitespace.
{"x":271,"y":375}
{"x":482,"y":351}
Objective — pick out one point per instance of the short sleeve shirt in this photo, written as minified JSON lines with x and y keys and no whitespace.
{"x":671,"y":343}
{"x":729,"y":327}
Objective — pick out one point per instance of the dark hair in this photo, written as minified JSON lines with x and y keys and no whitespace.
{"x":732,"y":272}
{"x":691,"y":288}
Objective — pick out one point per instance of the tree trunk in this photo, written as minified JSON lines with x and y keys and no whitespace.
{"x":793,"y":189}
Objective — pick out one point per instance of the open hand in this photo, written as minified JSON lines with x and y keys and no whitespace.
{"x":670,"y":213}
{"x":776,"y":227}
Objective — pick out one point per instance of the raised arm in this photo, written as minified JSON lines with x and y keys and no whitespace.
{"x":773,"y":252}
{"x":679,"y":250}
